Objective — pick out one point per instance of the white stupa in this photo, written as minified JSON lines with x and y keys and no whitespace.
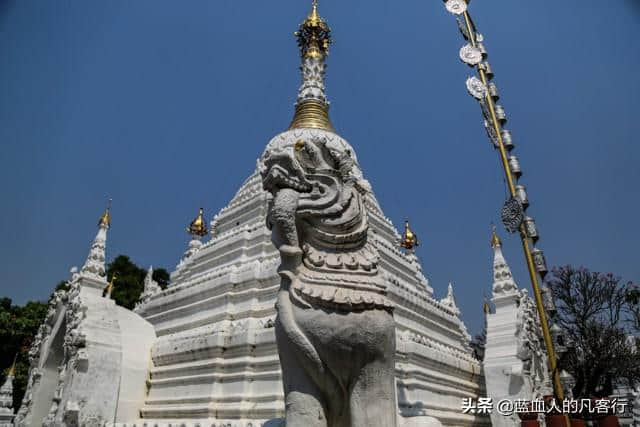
{"x":212,"y":358}
{"x":216,"y":357}
{"x":6,"y":399}
{"x":515,"y":360}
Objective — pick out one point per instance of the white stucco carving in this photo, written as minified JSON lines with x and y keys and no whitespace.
{"x":515,"y":362}
{"x":6,"y":401}
{"x":90,"y":358}
{"x":450,"y":301}
{"x":312,"y":87}
{"x":330,"y":287}
{"x":151,"y":288}
{"x":194,"y":245}
{"x":94,"y":265}
{"x":503,"y":283}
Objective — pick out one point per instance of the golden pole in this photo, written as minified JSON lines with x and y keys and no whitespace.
{"x":533,"y":274}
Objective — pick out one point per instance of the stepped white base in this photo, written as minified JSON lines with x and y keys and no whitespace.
{"x":277,"y":422}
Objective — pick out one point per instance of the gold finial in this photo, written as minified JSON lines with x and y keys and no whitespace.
{"x":311,"y":114}
{"x":314,"y":17}
{"x":105,"y":219}
{"x":12,"y":369}
{"x":198,"y":226}
{"x":486,"y":307}
{"x":409,"y":238}
{"x":107,"y":291}
{"x":314,"y":35}
{"x":495,"y":240}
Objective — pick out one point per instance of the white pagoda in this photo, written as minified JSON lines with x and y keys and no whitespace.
{"x":6,"y":399}
{"x":515,"y":360}
{"x":203,"y":351}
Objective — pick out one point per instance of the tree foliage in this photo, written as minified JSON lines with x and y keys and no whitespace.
{"x":479,"y":342}
{"x":129,"y":280}
{"x":18,"y":326}
{"x":601,"y":348}
{"x":633,"y":300}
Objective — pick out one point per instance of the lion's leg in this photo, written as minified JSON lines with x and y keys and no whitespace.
{"x":373,"y":393}
{"x":304,"y":406}
{"x":372,"y":401}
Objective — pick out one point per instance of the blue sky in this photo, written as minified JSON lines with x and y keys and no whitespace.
{"x":165,"y":106}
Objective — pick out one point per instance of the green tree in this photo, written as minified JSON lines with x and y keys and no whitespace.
{"x":129,"y":280}
{"x":161,"y":276}
{"x":18,"y":327}
{"x":62,"y":285}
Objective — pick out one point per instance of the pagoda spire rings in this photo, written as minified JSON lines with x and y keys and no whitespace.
{"x":312,"y":107}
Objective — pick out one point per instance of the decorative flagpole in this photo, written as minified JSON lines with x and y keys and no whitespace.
{"x":485,"y":92}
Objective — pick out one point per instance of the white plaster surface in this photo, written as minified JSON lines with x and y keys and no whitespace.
{"x":137,"y":337}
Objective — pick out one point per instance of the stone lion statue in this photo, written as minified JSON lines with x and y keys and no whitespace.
{"x":334,"y":329}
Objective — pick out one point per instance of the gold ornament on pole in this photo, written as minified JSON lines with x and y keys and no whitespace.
{"x":474,"y":54}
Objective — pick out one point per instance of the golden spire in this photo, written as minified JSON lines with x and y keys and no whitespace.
{"x":495,"y":240}
{"x":486,"y":307}
{"x":198,"y":226}
{"x":314,"y":35}
{"x":107,"y":291}
{"x":12,"y":369}
{"x":314,"y":19}
{"x":312,"y":107}
{"x":409,"y":238}
{"x":105,"y":219}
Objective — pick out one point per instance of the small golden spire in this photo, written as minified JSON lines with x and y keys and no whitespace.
{"x":486,"y":307}
{"x":105,"y":219}
{"x":12,"y":369}
{"x":314,"y":18}
{"x":198,"y":226}
{"x":409,"y":238}
{"x":314,"y":35}
{"x":495,"y":240}
{"x":107,"y":291}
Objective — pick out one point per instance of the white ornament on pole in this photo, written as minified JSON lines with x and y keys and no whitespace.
{"x":457,"y":7}
{"x":476,"y":88}
{"x":470,"y":55}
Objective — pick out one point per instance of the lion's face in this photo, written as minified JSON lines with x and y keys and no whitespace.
{"x":281,"y":169}
{"x":308,"y":166}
